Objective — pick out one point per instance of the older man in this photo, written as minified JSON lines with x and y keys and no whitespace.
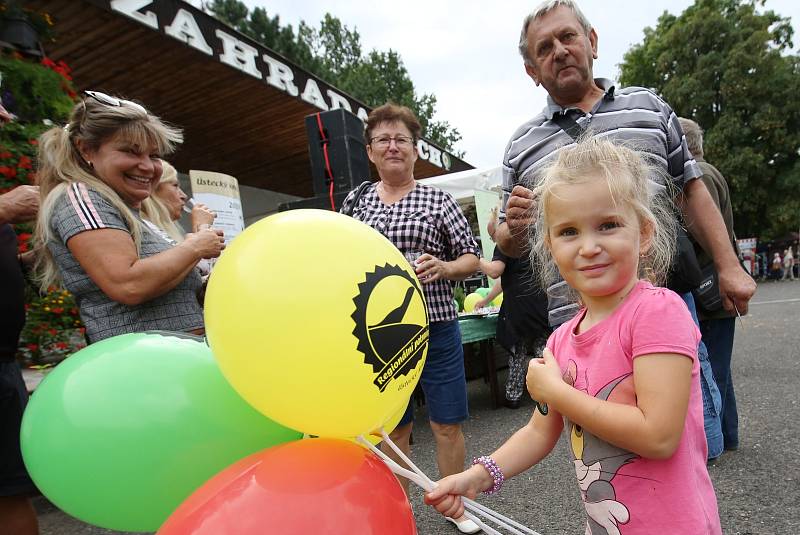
{"x":716,"y":324}
{"x":558,"y":46}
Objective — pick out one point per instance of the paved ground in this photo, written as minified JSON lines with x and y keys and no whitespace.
{"x":756,"y":486}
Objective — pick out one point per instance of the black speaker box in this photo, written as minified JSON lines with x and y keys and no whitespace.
{"x":343,"y":133}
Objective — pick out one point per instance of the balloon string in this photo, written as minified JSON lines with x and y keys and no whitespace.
{"x":419,"y":478}
{"x":423,"y":482}
{"x":470,"y":505}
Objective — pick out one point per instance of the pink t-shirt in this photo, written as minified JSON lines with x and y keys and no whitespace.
{"x":620,"y":488}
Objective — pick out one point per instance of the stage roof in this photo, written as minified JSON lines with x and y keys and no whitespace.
{"x":241,"y":105}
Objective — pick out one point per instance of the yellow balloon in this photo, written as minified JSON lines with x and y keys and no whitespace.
{"x":497,"y":301}
{"x":318,"y":321}
{"x":470,"y":301}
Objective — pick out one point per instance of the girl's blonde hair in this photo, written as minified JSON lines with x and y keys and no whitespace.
{"x":92,"y":123}
{"x":631,"y":180}
{"x":155,"y":210}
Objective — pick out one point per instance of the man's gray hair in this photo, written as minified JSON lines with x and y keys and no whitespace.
{"x":694,"y":136}
{"x":544,"y":8}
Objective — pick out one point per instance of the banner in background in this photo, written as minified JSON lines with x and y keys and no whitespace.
{"x":221,"y":194}
{"x":485,"y":201}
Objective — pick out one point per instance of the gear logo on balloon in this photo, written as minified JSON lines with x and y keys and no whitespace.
{"x":392,"y":333}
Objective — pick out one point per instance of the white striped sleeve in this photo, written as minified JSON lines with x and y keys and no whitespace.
{"x":83,"y":209}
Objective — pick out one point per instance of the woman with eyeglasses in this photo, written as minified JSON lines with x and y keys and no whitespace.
{"x":427,"y":225}
{"x":94,"y":175}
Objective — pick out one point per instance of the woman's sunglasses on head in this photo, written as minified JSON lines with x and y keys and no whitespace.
{"x":108,"y":100}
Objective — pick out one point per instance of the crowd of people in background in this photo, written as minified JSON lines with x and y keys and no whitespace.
{"x":784,"y":266}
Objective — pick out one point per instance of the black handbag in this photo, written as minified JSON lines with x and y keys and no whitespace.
{"x":359,"y":191}
{"x":706,"y":294}
{"x":685,"y":274}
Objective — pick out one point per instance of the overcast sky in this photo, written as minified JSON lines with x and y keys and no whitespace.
{"x":464,"y":52}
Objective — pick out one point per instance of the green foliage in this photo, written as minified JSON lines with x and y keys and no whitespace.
{"x":334,"y":53}
{"x":53,"y":328}
{"x":730,"y":68}
{"x":40,"y":95}
{"x":35,"y":92}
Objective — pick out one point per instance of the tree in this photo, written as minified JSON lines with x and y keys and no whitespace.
{"x":334,"y":53}
{"x":730,"y":68}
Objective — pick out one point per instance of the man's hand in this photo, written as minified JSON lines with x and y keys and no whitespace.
{"x":519,"y":213}
{"x":736,"y":287}
{"x":19,"y":205}
{"x":513,"y":234}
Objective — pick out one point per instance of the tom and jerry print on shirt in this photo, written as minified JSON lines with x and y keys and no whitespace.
{"x":597,"y":462}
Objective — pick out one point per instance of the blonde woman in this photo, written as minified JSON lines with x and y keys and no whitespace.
{"x":163,"y":208}
{"x":94,"y":175}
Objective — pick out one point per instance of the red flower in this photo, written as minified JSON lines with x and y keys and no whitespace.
{"x":32,"y":347}
{"x":58,"y":310}
{"x":9,"y":172}
{"x":24,"y":162}
{"x":52,"y":332}
{"x":33,"y":141}
{"x":5,"y":155}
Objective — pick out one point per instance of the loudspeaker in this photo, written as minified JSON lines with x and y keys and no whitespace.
{"x":342,"y":134}
{"x":319,"y":202}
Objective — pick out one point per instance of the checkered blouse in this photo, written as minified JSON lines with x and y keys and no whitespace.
{"x":426,"y":220}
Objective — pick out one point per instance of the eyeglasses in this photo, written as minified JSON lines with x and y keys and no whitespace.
{"x":108,"y":100}
{"x":383,"y":142}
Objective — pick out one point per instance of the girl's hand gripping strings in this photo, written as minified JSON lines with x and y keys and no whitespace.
{"x":544,"y":379}
{"x":446,"y":497}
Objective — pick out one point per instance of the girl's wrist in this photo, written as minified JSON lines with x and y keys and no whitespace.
{"x":480,"y":477}
{"x":491,"y":478}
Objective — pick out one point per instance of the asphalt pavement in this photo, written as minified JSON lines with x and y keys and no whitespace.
{"x":756,"y":486}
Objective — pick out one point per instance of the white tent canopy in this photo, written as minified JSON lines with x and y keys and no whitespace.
{"x":462,"y":185}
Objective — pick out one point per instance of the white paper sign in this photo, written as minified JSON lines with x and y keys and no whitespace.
{"x":220,"y":193}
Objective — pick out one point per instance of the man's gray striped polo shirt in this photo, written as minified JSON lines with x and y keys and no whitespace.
{"x":634,"y":116}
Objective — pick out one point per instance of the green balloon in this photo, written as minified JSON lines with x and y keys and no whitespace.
{"x":119,"y":434}
{"x":483,"y":292}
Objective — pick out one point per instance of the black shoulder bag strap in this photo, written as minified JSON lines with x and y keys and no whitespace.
{"x":568,"y":125}
{"x":359,"y":191}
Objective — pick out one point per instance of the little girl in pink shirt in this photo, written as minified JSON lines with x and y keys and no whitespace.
{"x":621,"y":378}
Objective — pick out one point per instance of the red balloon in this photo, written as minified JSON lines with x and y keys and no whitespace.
{"x":318,"y":485}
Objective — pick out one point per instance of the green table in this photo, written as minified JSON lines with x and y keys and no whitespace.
{"x":477,"y":329}
{"x":482,"y":330}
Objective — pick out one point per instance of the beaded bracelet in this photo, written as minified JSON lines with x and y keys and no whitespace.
{"x":494,"y":471}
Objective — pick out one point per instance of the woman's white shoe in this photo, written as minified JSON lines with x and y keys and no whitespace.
{"x":465,"y":525}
